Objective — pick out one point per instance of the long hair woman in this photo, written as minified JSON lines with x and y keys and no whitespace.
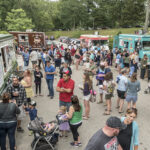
{"x":27,"y":84}
{"x":75,"y":120}
{"x":87,"y":86}
{"x":8,"y":121}
{"x":133,"y":87}
{"x":128,"y":138}
{"x":109,"y":86}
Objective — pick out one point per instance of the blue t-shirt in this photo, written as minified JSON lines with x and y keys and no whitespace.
{"x":49,"y":69}
{"x":26,"y":56}
{"x":32,"y":113}
{"x":83,"y":50}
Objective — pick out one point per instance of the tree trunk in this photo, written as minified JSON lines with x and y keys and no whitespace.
{"x":147,"y":16}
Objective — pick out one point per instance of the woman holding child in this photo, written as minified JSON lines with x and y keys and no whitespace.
{"x":75,"y":116}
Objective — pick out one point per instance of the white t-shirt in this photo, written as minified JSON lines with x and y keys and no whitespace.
{"x":34,"y":56}
{"x":122,"y":82}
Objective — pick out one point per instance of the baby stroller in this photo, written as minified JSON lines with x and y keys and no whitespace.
{"x":44,"y":139}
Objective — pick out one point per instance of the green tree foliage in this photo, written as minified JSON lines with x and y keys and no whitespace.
{"x":5,"y":7}
{"x":17,"y":20}
{"x":41,"y":13}
{"x":77,"y":14}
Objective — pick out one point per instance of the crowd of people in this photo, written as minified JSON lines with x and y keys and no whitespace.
{"x":97,"y":64}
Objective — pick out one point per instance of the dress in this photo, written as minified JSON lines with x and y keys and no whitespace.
{"x":65,"y":125}
{"x":29,"y":91}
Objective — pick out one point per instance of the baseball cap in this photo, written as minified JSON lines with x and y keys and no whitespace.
{"x":115,"y":122}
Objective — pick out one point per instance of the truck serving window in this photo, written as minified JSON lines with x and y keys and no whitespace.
{"x":101,"y":42}
{"x":146,"y":45}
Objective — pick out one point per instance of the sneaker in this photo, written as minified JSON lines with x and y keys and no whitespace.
{"x":73,"y":144}
{"x":19,"y":129}
{"x":79,"y":144}
{"x":48,"y":95}
{"x":51,"y":97}
{"x":30,"y":133}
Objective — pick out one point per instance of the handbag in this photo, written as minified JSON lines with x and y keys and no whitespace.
{"x":93,"y":96}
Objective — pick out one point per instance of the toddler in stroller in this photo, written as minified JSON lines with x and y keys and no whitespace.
{"x":45,"y":134}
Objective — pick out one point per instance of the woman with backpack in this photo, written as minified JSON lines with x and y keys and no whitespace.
{"x":108,"y":86}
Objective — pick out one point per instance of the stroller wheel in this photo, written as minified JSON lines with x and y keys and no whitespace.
{"x":44,"y":147}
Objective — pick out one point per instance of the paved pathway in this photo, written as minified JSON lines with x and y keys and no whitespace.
{"x":48,"y":109}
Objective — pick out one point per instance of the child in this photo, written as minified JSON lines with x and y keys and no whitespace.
{"x":37,"y":80}
{"x":108,"y":86}
{"x":32,"y":111}
{"x":48,"y":126}
{"x":63,"y":127}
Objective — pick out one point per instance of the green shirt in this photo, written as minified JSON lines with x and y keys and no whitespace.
{"x":76,"y":117}
{"x":143,"y":63}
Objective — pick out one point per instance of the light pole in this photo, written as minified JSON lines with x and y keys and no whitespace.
{"x":147,"y":5}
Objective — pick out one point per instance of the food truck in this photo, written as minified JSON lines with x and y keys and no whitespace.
{"x":36,"y":40}
{"x":94,"y":40}
{"x":133,"y":42}
{"x":8,"y":61}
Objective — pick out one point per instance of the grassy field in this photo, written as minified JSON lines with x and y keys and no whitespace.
{"x":77,"y":33}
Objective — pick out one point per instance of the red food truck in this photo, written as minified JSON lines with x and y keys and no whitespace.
{"x":34,"y":39}
{"x":94,"y":40}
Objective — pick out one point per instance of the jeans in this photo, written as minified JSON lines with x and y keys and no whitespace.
{"x":74,"y":130}
{"x":26,"y":63}
{"x":7,"y":128}
{"x":38,"y":86}
{"x":50,"y":86}
{"x":143,"y":70}
{"x":67,"y":104}
{"x":131,"y":71}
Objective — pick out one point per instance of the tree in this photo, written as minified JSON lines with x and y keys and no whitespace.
{"x":17,"y":20}
{"x":5,"y":7}
{"x":41,"y":13}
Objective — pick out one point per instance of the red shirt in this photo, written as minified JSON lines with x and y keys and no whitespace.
{"x":60,"y":55}
{"x":73,"y":51}
{"x":64,"y":96}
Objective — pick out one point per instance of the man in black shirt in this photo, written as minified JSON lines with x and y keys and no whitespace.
{"x":105,"y":138}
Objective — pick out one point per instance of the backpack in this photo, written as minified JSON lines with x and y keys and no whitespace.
{"x":110,"y":89}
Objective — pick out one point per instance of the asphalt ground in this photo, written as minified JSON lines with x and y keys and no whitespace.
{"x":48,"y":108}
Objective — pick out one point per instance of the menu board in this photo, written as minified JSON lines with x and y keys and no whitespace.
{"x":1,"y":73}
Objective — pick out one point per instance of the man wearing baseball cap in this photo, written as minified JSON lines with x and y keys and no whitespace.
{"x":65,"y":87}
{"x":105,"y":138}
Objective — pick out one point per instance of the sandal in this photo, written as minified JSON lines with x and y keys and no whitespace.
{"x":105,"y":113}
{"x":85,"y":118}
{"x":120,"y":112}
{"x":106,"y":110}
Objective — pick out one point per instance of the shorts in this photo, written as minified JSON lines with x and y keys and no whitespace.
{"x":108,"y":96}
{"x":22,"y":113}
{"x":101,"y":91}
{"x":130,"y":98}
{"x":67,"y":104}
{"x":87,"y":97}
{"x":121,"y":94}
{"x":34,"y":62}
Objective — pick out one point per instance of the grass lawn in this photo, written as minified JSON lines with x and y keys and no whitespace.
{"x":77,"y":33}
